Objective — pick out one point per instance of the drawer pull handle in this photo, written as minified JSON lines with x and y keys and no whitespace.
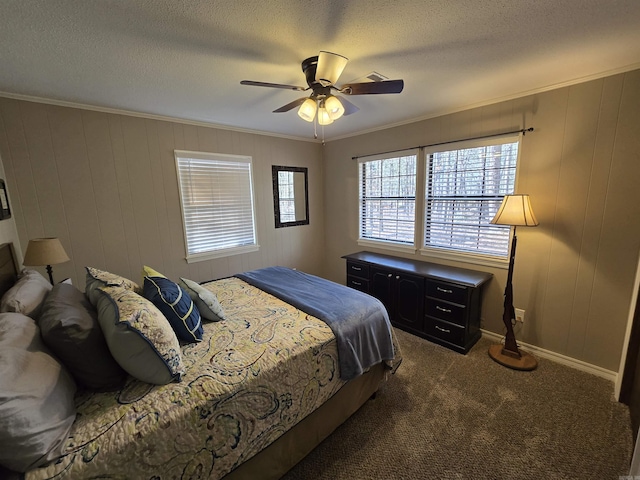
{"x":356,"y":268}
{"x":356,"y":283}
{"x":390,"y":275}
{"x":443,"y":329}
{"x":444,"y":290}
{"x":446,"y":310}
{"x":397,"y":277}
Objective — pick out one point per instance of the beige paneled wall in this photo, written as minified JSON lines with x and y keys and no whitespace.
{"x":106,"y":185}
{"x":574,"y":273}
{"x":8,"y":230}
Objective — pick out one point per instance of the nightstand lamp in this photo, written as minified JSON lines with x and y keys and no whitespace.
{"x":516,"y":211}
{"x":45,"y":251}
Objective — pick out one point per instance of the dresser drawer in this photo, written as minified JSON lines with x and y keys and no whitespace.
{"x":358,"y":283}
{"x":447,"y":291}
{"x":446,"y":311}
{"x":358,"y":270}
{"x":445,"y":331}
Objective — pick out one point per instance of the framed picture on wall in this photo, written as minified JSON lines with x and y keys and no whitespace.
{"x":5,"y":211}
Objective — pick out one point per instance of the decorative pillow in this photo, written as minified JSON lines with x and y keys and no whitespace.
{"x":150,"y":272}
{"x":69,"y":327}
{"x":139,"y":336}
{"x":99,"y":278}
{"x":176,"y":304}
{"x":36,"y":397}
{"x":27,"y":295}
{"x":205,"y":300}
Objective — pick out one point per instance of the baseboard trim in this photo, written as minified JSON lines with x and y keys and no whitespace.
{"x":558,"y":358}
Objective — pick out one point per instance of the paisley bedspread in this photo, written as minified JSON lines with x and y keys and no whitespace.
{"x":252,"y":378}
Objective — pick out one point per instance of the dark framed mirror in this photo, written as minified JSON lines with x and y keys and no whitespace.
{"x":290,"y":196}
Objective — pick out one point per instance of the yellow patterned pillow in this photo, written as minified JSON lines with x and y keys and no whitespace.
{"x":99,"y":278}
{"x":139,"y":336}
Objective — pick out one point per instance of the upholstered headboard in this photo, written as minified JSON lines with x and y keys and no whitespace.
{"x":8,"y":270}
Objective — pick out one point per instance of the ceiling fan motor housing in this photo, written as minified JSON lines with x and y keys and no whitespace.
{"x":309,"y":67}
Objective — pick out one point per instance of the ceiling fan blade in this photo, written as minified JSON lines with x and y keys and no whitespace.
{"x":330,"y":66}
{"x":273,"y":85}
{"x":349,"y":107}
{"x":290,"y":106}
{"x":371,"y":88}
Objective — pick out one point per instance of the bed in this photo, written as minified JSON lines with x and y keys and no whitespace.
{"x":260,"y":390}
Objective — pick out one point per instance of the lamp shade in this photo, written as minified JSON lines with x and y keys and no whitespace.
{"x":330,"y":66}
{"x":323,"y":117}
{"x":515,"y":210}
{"x":45,"y":251}
{"x":307,"y":110}
{"x":334,"y":107}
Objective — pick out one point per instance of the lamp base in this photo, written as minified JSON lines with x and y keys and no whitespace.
{"x":526,"y":361}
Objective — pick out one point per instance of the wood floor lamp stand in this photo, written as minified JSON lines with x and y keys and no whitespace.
{"x":508,"y":354}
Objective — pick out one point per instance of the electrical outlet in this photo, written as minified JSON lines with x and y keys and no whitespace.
{"x":519,"y":315}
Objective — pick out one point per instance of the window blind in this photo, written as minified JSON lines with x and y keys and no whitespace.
{"x":464,"y":190}
{"x":217,"y":202}
{"x":388,"y":198}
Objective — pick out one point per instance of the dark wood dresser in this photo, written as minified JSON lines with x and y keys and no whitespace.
{"x":433,"y":301}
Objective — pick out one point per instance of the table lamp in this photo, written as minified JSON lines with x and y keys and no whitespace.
{"x":45,"y":251}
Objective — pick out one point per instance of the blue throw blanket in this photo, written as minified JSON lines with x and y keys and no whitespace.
{"x":359,"y":322}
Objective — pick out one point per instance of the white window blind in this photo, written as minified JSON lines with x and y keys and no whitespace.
{"x":388,"y":198}
{"x":216,"y":193}
{"x":464,"y":190}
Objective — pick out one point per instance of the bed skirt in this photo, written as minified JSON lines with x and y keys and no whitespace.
{"x":279,"y":457}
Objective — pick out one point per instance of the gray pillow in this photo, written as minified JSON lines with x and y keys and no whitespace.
{"x":27,"y":295}
{"x":69,"y":327}
{"x":139,"y":336}
{"x":205,"y":300}
{"x":36,"y":397}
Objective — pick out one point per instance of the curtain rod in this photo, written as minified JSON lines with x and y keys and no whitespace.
{"x":523,"y":131}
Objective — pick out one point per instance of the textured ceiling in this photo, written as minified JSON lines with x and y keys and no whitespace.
{"x":185,"y":59}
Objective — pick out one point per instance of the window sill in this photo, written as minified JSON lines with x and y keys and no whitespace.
{"x":387,"y":246}
{"x":227,"y":252}
{"x":484,"y":260}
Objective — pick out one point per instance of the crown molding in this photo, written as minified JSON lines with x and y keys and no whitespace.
{"x":150,"y":116}
{"x":440,"y":113}
{"x":525,"y":93}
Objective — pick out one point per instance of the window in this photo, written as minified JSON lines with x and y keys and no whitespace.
{"x":388,"y":198}
{"x":464,"y":189}
{"x":216,"y":193}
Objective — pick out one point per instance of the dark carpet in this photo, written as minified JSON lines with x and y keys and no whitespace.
{"x":449,"y":416}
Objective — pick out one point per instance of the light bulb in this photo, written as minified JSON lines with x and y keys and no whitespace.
{"x":307,"y":110}
{"x":323,"y":117}
{"x":334,"y":107}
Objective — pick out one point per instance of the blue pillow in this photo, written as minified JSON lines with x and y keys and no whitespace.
{"x":175,"y":304}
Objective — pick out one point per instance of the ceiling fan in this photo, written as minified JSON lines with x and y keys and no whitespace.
{"x":321,"y":73}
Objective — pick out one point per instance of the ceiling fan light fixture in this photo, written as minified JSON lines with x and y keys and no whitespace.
{"x":334,"y":107}
{"x":307,"y":110}
{"x":321,"y":73}
{"x":323,"y":117}
{"x":330,"y":66}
